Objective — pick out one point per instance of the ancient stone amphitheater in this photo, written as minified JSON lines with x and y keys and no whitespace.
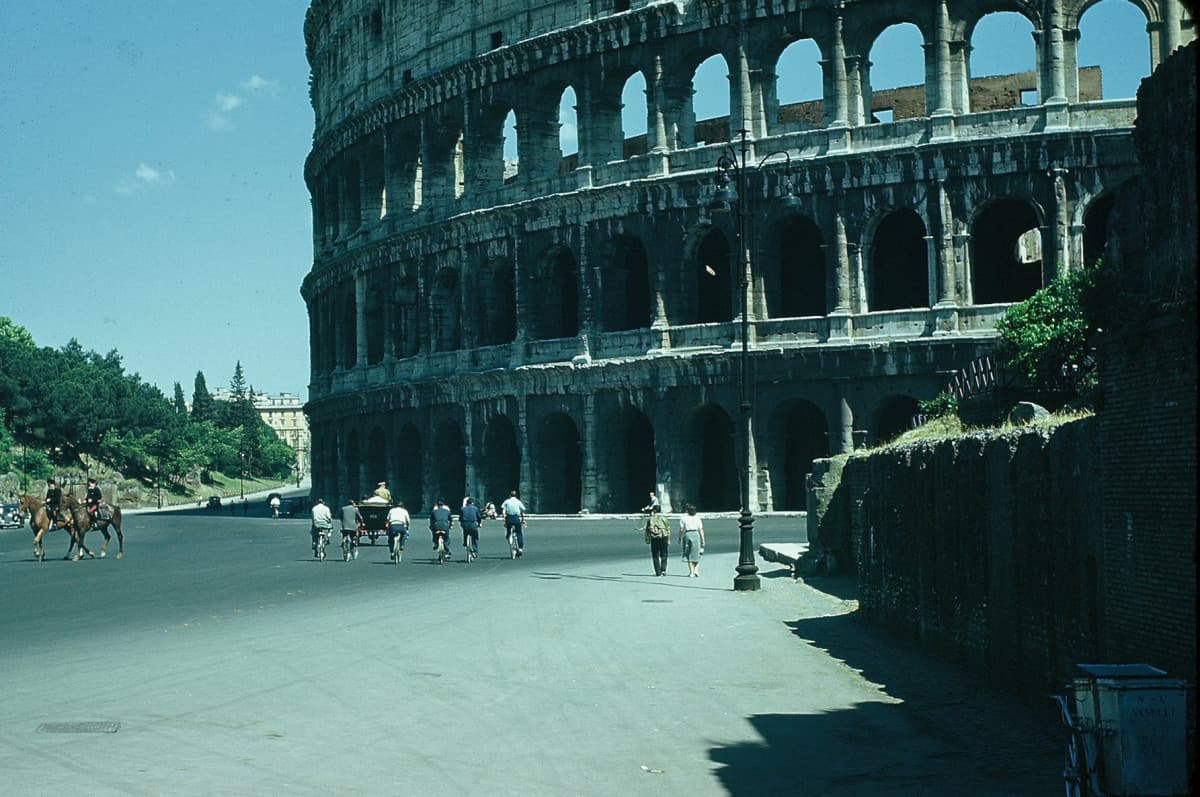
{"x":570,"y":323}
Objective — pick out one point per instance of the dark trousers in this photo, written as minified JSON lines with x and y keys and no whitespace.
{"x":658,"y":552}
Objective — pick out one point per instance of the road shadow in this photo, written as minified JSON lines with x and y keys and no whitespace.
{"x":948,"y":732}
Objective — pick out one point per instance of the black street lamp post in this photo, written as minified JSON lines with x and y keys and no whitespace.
{"x":737,"y":162}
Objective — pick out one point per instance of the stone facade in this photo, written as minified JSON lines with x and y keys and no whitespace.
{"x":572,"y":326}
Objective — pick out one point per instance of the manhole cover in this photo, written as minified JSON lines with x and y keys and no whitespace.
{"x":79,"y":727}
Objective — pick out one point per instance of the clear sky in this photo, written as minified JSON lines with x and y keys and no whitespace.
{"x":152,"y":197}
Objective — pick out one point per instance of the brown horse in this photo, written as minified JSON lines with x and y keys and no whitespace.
{"x":84,"y":522}
{"x":40,"y":523}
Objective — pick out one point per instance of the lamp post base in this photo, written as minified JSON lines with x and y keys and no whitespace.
{"x":746,"y":579}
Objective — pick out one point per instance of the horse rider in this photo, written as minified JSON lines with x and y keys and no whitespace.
{"x":53,"y":500}
{"x":92,"y":499}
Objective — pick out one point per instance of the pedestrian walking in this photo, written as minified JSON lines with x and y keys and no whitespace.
{"x":691,"y":538}
{"x":658,"y":537}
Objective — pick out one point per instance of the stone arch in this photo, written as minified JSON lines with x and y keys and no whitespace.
{"x":348,"y":328}
{"x":499,"y":469}
{"x":1006,"y":251}
{"x":351,"y":212}
{"x":799,"y":433}
{"x":632,"y":469}
{"x":555,"y":282}
{"x":792,"y":268}
{"x":445,"y":329}
{"x":1006,"y":52}
{"x":349,"y":467}
{"x":405,"y":310}
{"x":893,"y":417}
{"x":558,"y":464}
{"x":1136,"y":43}
{"x":409,"y":468}
{"x":568,"y":125}
{"x":375,"y":314}
{"x":711,"y":109}
{"x":902,"y":72}
{"x":450,"y":464}
{"x":799,"y":86}
{"x":1095,"y":227}
{"x":497,"y":306}
{"x":634,"y":112}
{"x":626,"y":298}
{"x":712,"y":274}
{"x":899,"y":263}
{"x":707,"y":462}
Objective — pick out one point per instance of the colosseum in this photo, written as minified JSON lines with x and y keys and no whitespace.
{"x":701,"y":308}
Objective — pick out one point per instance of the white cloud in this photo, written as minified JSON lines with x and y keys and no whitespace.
{"x":143,"y":177}
{"x":258,"y":83}
{"x":227,"y":102}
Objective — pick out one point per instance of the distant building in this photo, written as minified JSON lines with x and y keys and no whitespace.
{"x":284,"y":413}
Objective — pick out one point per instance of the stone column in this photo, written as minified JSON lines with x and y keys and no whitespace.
{"x":943,"y":95}
{"x":1055,"y":60}
{"x":519,"y":291}
{"x":389,"y":318}
{"x":947,"y":294}
{"x":470,"y":476}
{"x":591,"y":493}
{"x":1062,"y":223}
{"x":741,"y":103}
{"x":526,"y":487}
{"x":656,"y":105}
{"x":843,"y":437}
{"x":841,"y":266}
{"x":1172,"y":33}
{"x":835,"y":67}
{"x":360,"y":319}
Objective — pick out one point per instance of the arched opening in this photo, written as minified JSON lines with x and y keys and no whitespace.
{"x":560,"y":466}
{"x":377,"y":465}
{"x":1095,"y":229}
{"x":897,"y":75}
{"x":799,"y":434}
{"x":709,"y":470}
{"x":352,"y":199}
{"x":375,"y":329}
{"x":793,"y":269}
{"x":512,"y":154}
{"x":450,"y":464}
{"x":626,"y":287}
{"x":498,"y":304}
{"x":1002,"y":45}
{"x":894,"y":417}
{"x":568,"y":126}
{"x":409,"y":466}
{"x":349,"y":466}
{"x":405,"y":342}
{"x":1006,"y":252}
{"x":714,"y":279}
{"x":348,"y":357}
{"x":443,"y":311}
{"x":500,"y":467}
{"x":899,"y":272}
{"x":556,"y":284}
{"x":710,"y":100}
{"x":799,"y":86}
{"x":635,"y":474}
{"x":634,"y":115}
{"x":1112,"y":36}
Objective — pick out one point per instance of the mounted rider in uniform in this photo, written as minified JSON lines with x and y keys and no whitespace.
{"x":92,"y":500}
{"x":53,"y":501}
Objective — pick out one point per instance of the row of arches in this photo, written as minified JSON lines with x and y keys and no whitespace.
{"x":404,"y":310}
{"x":562,"y":464}
{"x":535,"y":126}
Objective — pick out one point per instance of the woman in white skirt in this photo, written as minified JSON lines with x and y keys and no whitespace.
{"x":691,"y":536}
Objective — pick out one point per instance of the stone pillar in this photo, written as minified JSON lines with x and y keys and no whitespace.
{"x":526,"y":486}
{"x":599,"y":122}
{"x":858,"y":98}
{"x":1172,"y":32}
{"x":943,"y":68}
{"x":519,"y":297}
{"x":360,"y":319}
{"x":836,"y":70}
{"x":656,"y":105}
{"x":841,"y":265}
{"x":389,"y":319}
{"x":470,"y":477}
{"x":1055,"y":59}
{"x":1062,"y":223}
{"x":843,"y":437}
{"x":590,"y":497}
{"x":947,"y":294}
{"x":741,"y":103}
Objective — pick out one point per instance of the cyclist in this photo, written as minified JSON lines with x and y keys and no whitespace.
{"x":440,"y":521}
{"x":275,"y":504}
{"x":322,"y":522}
{"x":351,"y":522}
{"x":470,"y":518}
{"x":398,"y":523}
{"x":514,"y":520}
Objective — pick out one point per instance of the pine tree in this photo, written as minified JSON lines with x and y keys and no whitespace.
{"x":180,"y":401}
{"x":203,"y":408}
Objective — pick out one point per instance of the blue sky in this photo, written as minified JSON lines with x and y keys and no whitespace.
{"x":151,"y":172}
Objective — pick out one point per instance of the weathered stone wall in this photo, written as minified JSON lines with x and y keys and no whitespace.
{"x":986,"y":549}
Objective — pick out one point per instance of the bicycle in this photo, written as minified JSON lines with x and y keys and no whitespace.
{"x":396,"y":546}
{"x":514,"y":550}
{"x":1079,"y":773}
{"x":349,"y":546}
{"x":443,"y":553}
{"x":320,"y":543}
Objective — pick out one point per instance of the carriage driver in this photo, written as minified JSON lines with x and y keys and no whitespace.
{"x":92,"y":500}
{"x":53,"y":500}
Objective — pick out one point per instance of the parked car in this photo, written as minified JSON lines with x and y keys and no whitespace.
{"x":292,"y":507}
{"x":214,"y":502}
{"x":10,"y":516}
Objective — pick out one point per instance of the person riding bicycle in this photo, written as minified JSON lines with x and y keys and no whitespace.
{"x":92,"y":499}
{"x":470,"y":518}
{"x":514,"y":520}
{"x":351,"y":523}
{"x":275,"y":504}
{"x":53,"y":500}
{"x":398,"y":523}
{"x":322,"y":522}
{"x":440,"y":521}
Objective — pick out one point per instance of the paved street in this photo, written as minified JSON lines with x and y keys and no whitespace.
{"x":223,"y":660}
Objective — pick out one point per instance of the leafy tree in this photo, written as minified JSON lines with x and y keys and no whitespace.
{"x":1044,"y":339}
{"x":203,"y":408}
{"x":180,"y":402}
{"x":941,"y":405}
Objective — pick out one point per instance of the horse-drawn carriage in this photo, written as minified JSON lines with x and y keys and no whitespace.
{"x":374,"y":513}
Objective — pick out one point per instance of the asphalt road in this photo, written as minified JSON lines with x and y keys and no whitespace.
{"x":219,"y":657}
